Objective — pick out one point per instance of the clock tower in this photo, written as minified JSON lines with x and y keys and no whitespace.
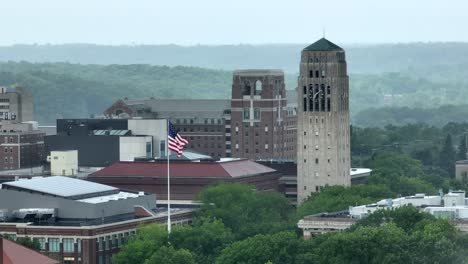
{"x":323,"y":125}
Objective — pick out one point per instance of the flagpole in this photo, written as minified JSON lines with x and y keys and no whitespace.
{"x":168,"y":182}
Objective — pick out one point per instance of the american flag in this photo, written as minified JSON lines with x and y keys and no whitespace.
{"x":175,"y":141}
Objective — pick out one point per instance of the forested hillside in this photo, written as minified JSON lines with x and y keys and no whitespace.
{"x":422,"y":76}
{"x":361,"y":58}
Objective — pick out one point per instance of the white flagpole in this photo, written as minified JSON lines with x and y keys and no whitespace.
{"x":168,"y":183}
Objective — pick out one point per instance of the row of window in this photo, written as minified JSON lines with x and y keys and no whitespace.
{"x":317,"y":74}
{"x":5,"y":149}
{"x":4,"y":100}
{"x":10,"y":159}
{"x":8,"y":139}
{"x":256,"y":113}
{"x":54,"y":244}
{"x":206,"y":121}
{"x":199,"y":129}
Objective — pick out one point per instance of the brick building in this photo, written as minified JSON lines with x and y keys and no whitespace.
{"x":78,"y":221}
{"x":21,"y":146}
{"x":187,"y":177}
{"x":258,"y":115}
{"x":261,"y":110}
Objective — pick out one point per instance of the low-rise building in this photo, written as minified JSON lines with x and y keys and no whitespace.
{"x":64,"y":163}
{"x":102,"y":142}
{"x":452,"y":206}
{"x":77,"y":221}
{"x":188,"y":178}
{"x":21,"y":145}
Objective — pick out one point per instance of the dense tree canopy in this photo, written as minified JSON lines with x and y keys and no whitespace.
{"x":245,"y":211}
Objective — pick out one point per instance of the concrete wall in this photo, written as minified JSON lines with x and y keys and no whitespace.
{"x":157,"y":128}
{"x":64,"y":163}
{"x":13,"y":200}
{"x":323,"y":136}
{"x":132,"y":147}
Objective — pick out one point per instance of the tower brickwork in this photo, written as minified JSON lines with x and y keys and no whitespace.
{"x":258,"y":114}
{"x":323,"y":125}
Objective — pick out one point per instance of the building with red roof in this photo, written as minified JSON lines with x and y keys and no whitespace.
{"x":12,"y":253}
{"x":187,"y":178}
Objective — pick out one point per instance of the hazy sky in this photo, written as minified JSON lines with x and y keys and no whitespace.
{"x":190,"y":22}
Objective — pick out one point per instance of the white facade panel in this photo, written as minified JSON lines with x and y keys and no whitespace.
{"x":64,"y":163}
{"x":134,"y":147}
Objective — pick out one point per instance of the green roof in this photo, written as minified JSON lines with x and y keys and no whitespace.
{"x":322,"y":44}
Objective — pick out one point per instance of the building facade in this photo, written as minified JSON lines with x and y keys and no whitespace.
{"x":118,"y":139}
{"x":78,"y":221}
{"x":257,"y":123}
{"x":21,"y":145}
{"x":323,"y":126}
{"x":258,"y":115}
{"x":16,"y":105}
{"x":205,"y":123}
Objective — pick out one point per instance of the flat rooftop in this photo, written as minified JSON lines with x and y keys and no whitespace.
{"x":61,"y":186}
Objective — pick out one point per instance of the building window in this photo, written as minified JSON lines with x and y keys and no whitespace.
{"x":317,"y":188}
{"x":101,"y":244}
{"x":5,"y":150}
{"x":11,"y":159}
{"x":162,"y":146}
{"x":323,"y":74}
{"x":68,"y":245}
{"x":311,"y":74}
{"x":316,"y":161}
{"x":257,"y":113}
{"x":316,"y":74}
{"x":305,"y":147}
{"x":42,"y":243}
{"x":107,"y":242}
{"x":305,"y":133}
{"x":114,"y":241}
{"x":54,"y":244}
{"x":305,"y":160}
{"x":246,"y":113}
{"x":78,"y":245}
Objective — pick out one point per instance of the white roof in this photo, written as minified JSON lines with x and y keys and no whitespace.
{"x":60,"y":186}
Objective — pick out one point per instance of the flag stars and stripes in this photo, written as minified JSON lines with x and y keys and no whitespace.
{"x":175,"y":141}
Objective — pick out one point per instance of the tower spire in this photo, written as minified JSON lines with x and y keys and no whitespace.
{"x":323,"y":31}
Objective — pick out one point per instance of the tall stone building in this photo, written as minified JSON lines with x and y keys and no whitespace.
{"x":323,"y":128}
{"x":258,"y":114}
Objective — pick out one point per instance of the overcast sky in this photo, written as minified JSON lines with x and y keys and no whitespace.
{"x":191,"y":22}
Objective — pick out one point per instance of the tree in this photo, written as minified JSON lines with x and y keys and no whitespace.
{"x":462,"y":149}
{"x":276,"y":248}
{"x":246,"y":211}
{"x":205,"y":239}
{"x":384,"y":244}
{"x":408,"y":218}
{"x":447,"y":156}
{"x":169,"y":255}
{"x":142,"y":245}
{"x":337,"y":198}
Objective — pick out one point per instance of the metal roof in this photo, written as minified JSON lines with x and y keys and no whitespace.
{"x":65,"y":187}
{"x":323,"y":44}
{"x":227,"y":169}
